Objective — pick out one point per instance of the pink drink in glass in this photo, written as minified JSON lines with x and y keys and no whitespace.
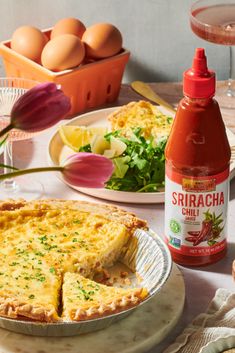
{"x":215,"y":24}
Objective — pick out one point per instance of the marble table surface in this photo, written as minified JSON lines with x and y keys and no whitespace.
{"x":136,"y":333}
{"x":200,"y":283}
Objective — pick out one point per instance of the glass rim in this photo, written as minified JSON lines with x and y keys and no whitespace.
{"x":194,"y":7}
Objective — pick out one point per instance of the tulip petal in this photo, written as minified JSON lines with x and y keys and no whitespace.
{"x":87,"y":170}
{"x":40,"y":108}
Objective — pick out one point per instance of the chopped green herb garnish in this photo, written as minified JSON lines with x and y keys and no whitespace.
{"x":39,"y":253}
{"x":42,"y":239}
{"x":31,"y":296}
{"x":84,"y":294}
{"x":41,"y":279}
{"x":14,"y":263}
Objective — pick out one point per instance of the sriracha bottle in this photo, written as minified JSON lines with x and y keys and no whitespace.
{"x":197,"y":172}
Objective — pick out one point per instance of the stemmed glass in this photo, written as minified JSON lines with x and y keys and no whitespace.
{"x":214,"y":21}
{"x":23,"y":187}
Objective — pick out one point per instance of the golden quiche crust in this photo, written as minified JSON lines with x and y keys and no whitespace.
{"x":42,"y":242}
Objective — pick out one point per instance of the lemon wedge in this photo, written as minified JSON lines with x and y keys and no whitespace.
{"x":77,"y":136}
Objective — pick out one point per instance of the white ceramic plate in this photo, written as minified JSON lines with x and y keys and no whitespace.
{"x":58,"y":152}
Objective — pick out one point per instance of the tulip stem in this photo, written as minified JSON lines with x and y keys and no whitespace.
{"x":6,"y":129}
{"x":28,"y":171}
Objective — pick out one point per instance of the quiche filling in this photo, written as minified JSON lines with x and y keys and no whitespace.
{"x":47,"y":244}
{"x":84,"y":299}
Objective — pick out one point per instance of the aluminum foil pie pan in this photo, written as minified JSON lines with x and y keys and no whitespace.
{"x":146,"y":254}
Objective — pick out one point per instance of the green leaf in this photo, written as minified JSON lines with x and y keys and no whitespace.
{"x":86,"y":148}
{"x":140,"y":163}
{"x":121,"y":166}
{"x":169,"y":119}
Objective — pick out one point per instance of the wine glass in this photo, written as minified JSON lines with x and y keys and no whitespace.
{"x":214,"y":21}
{"x":23,"y":187}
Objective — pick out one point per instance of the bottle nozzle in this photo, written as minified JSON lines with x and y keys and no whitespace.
{"x":200,"y":63}
{"x":199,"y":82}
{"x":200,"y":53}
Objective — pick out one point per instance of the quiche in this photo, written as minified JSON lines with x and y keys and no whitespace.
{"x":143,"y":114}
{"x":84,"y":299}
{"x":50,"y":244}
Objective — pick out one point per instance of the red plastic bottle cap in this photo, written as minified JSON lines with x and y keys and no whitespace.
{"x":199,"y":82}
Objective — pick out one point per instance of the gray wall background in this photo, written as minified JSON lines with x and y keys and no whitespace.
{"x":157,"y":32}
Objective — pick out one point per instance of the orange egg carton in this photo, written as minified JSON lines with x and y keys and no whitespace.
{"x":88,"y":86}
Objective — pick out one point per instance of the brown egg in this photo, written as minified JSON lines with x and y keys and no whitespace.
{"x":63,"y":52}
{"x":29,"y":41}
{"x":68,"y":26}
{"x":102,"y":40}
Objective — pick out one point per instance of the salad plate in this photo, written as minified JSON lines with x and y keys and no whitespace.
{"x":57,"y":152}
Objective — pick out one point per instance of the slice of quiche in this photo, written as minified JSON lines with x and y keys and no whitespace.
{"x":29,"y":287}
{"x":141,"y":114}
{"x":84,"y":299}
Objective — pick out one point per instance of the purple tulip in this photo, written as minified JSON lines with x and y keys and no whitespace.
{"x":87,"y":170}
{"x":39,"y":108}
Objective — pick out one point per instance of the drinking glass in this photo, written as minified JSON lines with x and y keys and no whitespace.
{"x":22,"y":187}
{"x":214,"y":21}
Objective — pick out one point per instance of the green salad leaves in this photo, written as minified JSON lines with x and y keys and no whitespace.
{"x":141,"y":167}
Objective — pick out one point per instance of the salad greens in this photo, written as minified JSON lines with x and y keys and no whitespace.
{"x":141,"y":167}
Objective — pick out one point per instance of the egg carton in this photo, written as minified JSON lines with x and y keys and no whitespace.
{"x":89,"y":85}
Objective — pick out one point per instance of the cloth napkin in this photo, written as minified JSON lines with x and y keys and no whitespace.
{"x":217,"y":322}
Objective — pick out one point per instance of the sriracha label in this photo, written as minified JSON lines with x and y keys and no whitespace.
{"x":196,"y":212}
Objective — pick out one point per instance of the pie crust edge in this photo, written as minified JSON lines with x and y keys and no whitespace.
{"x":123,"y":303}
{"x":112,"y":212}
